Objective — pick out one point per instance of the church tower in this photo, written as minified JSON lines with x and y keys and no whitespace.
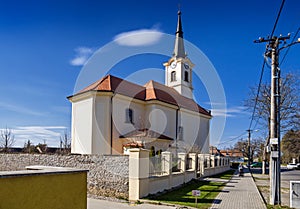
{"x":179,"y":67}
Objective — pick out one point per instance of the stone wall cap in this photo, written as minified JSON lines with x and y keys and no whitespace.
{"x":40,"y":170}
{"x":138,"y":150}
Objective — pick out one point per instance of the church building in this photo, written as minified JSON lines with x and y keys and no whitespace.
{"x":112,"y":115}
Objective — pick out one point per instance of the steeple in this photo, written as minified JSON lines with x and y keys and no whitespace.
{"x":179,"y":46}
{"x":179,"y":67}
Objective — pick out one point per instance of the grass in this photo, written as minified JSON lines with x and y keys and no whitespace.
{"x":277,"y":207}
{"x":183,"y":196}
{"x":227,"y":175}
{"x":259,"y":178}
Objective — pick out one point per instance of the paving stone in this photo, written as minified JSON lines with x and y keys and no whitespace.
{"x":239,"y":192}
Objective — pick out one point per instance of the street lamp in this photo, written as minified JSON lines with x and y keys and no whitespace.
{"x":249,"y":149}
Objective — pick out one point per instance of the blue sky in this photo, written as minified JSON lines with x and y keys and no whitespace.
{"x":44,"y":45}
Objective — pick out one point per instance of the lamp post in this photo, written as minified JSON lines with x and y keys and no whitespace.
{"x":249,"y":146}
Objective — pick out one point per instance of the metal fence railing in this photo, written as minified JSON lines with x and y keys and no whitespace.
{"x":156,"y":167}
{"x":176,"y":164}
{"x":188,"y":164}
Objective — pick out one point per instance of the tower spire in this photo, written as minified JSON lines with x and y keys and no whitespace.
{"x":179,"y":45}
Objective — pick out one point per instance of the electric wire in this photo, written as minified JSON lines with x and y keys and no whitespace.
{"x":282,"y":3}
{"x":288,"y":48}
{"x":263,"y":67}
{"x":235,"y":138}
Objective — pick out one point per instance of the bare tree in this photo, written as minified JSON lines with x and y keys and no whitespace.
{"x":255,"y":148}
{"x":65,"y":143}
{"x":28,"y":147}
{"x":289,"y":103}
{"x":7,"y":139}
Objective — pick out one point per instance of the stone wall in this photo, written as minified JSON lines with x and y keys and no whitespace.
{"x":107,"y":176}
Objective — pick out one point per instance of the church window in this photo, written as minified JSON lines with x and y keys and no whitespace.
{"x":173,"y":76}
{"x":186,"y":76}
{"x":129,"y":115}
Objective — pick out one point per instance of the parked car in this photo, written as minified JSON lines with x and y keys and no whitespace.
{"x":256,"y":165}
{"x":293,"y":166}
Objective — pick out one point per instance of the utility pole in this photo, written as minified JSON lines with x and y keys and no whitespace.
{"x":274,"y":142}
{"x":249,"y":154}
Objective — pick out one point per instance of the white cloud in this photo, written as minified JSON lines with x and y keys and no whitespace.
{"x":38,"y":134}
{"x":229,"y":112}
{"x":82,"y":55}
{"x":20,"y":109}
{"x":141,"y":37}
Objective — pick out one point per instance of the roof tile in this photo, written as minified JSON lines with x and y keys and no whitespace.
{"x":150,"y":91}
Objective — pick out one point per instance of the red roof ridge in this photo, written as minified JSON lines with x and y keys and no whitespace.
{"x":152,"y":90}
{"x":98,"y":85}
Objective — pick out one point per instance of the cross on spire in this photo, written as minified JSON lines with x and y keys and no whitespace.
{"x":179,"y":50}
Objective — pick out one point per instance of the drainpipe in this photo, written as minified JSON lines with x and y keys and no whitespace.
{"x":176,"y":135}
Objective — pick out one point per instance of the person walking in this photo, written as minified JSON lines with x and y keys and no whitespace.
{"x":241,"y":172}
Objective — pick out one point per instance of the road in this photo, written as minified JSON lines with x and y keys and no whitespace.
{"x":286,"y":176}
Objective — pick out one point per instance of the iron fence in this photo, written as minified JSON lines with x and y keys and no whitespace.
{"x":156,"y":167}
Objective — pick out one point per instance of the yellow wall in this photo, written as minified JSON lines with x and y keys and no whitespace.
{"x":44,"y":191}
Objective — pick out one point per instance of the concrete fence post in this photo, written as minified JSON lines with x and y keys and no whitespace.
{"x":219,"y":161}
{"x":201,"y":159}
{"x":213,"y":161}
{"x":138,"y":173}
{"x":194,"y":158}
{"x":182,"y":157}
{"x":166,"y":162}
{"x":207,"y":157}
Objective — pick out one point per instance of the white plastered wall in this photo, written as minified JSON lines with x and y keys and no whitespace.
{"x":195,"y":130}
{"x":101,"y":141}
{"x":82,"y":126}
{"x":161,"y":119}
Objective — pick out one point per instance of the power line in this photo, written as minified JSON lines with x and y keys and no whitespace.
{"x":263,"y":66}
{"x":282,"y":3}
{"x":257,"y":93}
{"x":286,"y":52}
{"x":232,"y":139}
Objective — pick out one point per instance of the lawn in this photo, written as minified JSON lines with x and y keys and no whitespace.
{"x":183,"y":196}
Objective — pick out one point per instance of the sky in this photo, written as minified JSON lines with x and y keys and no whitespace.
{"x":45,"y":47}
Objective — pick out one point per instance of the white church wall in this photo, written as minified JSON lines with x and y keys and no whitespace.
{"x":101,"y":140}
{"x":161,"y":119}
{"x":204,"y":135}
{"x":82,"y":126}
{"x":121,"y":126}
{"x":195,"y":130}
{"x":120,"y":104}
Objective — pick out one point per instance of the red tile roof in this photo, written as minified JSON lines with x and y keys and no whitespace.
{"x":145,"y":133}
{"x":232,"y":153}
{"x":150,"y":91}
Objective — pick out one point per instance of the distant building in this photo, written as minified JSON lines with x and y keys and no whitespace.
{"x":113,"y":115}
{"x":215,"y":151}
{"x":234,"y":155}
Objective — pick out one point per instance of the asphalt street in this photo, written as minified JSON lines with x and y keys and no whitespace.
{"x":263,"y":182}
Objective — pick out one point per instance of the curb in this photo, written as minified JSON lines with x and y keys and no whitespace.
{"x":260,"y":194}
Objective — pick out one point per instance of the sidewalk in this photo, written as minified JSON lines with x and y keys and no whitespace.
{"x":239,"y":192}
{"x":105,"y":204}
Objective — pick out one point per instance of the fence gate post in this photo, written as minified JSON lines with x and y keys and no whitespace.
{"x":138,"y":173}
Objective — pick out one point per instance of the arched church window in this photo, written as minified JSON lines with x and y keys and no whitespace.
{"x":173,"y":76}
{"x":186,"y":76}
{"x":129,"y":115}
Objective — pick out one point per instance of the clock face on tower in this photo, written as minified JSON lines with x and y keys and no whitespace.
{"x":173,"y":64}
{"x":186,"y":65}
